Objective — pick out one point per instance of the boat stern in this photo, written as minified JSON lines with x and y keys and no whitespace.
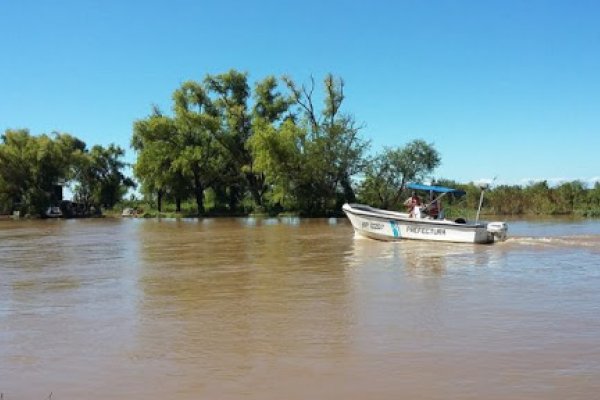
{"x":498,"y":230}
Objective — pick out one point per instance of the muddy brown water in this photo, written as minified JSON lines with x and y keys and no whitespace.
{"x":295,"y":309}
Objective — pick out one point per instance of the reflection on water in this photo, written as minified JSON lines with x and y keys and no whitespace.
{"x":421,"y":257}
{"x":249,"y":296}
{"x":288,"y":308}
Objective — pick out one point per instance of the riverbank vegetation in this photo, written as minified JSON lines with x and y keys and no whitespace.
{"x":34,"y":170}
{"x":573,"y":198}
{"x":229,"y":147}
{"x":266,"y":149}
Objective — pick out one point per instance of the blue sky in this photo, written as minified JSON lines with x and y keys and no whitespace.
{"x":502,"y":88}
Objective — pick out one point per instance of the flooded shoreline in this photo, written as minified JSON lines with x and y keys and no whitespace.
{"x":272,"y":308}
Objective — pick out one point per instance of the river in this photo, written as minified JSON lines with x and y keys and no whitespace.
{"x":295,"y":309}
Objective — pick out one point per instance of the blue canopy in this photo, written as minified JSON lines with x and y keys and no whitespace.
{"x":437,"y":189}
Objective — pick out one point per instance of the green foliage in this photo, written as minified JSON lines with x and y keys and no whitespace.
{"x":270,"y":148}
{"x":309,"y":163}
{"x":279,"y":155}
{"x":198,"y":157}
{"x":231,"y":96}
{"x":229,"y":148}
{"x":329,"y":150}
{"x":537,"y":198}
{"x":262,"y":149}
{"x":154,"y":140}
{"x":99,"y":177}
{"x":388,"y":172}
{"x":32,"y":167}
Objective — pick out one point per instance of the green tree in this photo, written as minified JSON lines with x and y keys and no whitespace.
{"x":32,"y":166}
{"x":388,"y":173}
{"x":180,"y":156}
{"x":593,"y":201}
{"x":199,"y":156}
{"x":536,"y":198}
{"x":155,"y":139}
{"x":331,"y":147}
{"x":231,"y":94}
{"x":239,"y":121}
{"x":100,"y":180}
{"x":570,"y":196}
{"x":270,"y":105}
{"x":279,"y":152}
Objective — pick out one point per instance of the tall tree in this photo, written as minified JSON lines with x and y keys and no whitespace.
{"x":32,"y":166}
{"x":570,"y":195}
{"x":156,"y":141}
{"x":231,"y":97}
{"x":389,"y":171}
{"x":101,"y":181}
{"x":280,"y":154}
{"x":199,"y":156}
{"x":333,"y":146}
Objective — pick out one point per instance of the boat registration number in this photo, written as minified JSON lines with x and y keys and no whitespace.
{"x":372,"y":225}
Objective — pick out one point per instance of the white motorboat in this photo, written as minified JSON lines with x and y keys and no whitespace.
{"x":392,"y":225}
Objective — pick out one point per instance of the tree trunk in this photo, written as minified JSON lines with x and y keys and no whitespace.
{"x":254,"y":189}
{"x":349,"y":195}
{"x":199,"y":194}
{"x":178,"y":204}
{"x":232,"y":198}
{"x":199,"y":200}
{"x":159,"y":200}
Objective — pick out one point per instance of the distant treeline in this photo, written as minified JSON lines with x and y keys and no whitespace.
{"x":231,"y":149}
{"x":536,"y":198}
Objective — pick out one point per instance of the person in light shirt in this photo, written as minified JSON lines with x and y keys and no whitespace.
{"x":413,"y":205}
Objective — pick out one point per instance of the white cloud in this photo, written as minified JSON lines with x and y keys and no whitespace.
{"x":593,"y":181}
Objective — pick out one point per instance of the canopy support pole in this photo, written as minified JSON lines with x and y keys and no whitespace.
{"x":480,"y":204}
{"x":436,"y":199}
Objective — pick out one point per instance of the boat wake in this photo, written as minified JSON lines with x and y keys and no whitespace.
{"x":577,"y":241}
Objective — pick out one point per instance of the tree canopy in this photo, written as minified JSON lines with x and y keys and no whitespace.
{"x":32,"y":167}
{"x":231,"y":146}
{"x":388,"y":172}
{"x":268,"y":148}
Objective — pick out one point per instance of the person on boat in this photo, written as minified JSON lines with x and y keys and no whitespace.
{"x":434,"y":209}
{"x":413,"y":205}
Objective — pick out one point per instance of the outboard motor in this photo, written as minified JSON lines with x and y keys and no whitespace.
{"x":498,"y":230}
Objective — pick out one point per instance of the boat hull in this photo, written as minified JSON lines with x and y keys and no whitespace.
{"x":387,"y":225}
